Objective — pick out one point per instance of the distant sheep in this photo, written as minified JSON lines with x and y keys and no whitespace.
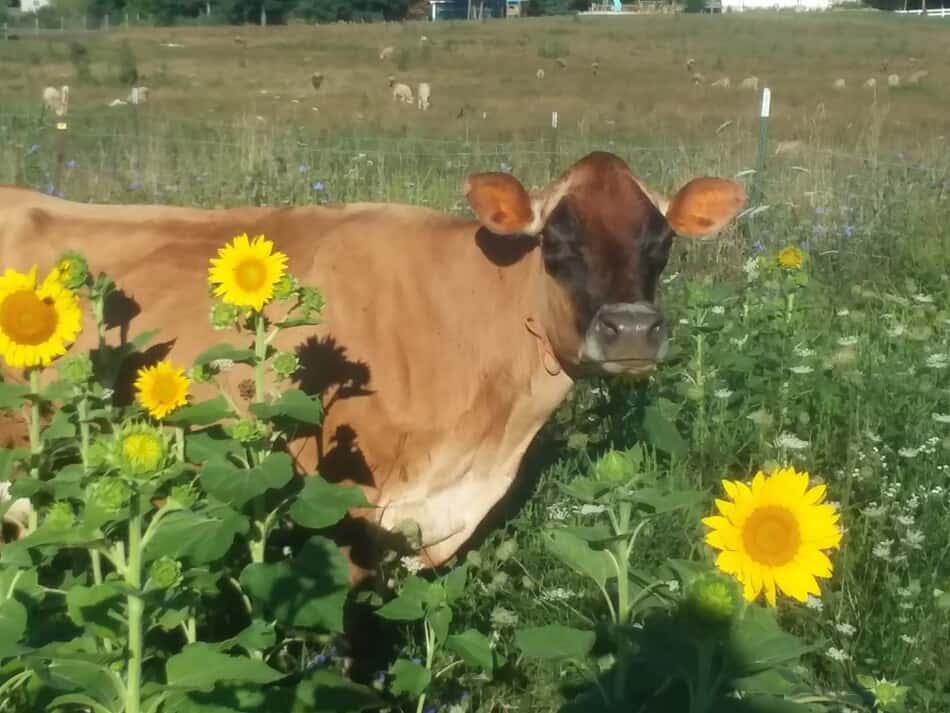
{"x":690,"y":64}
{"x":561,"y":62}
{"x":56,"y":100}
{"x":595,"y":67}
{"x":750,"y":83}
{"x":401,"y":92}
{"x":385,"y":53}
{"x":893,"y":80}
{"x":839,"y":85}
{"x":721,"y":83}
{"x":870,"y":83}
{"x":138,"y":95}
{"x":316,"y":80}
{"x":788,"y":147}
{"x":424,"y":93}
{"x":539,"y":74}
{"x":698,"y":79}
{"x":917,"y":76}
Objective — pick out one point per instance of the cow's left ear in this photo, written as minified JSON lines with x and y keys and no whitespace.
{"x":501,"y":204}
{"x":704,"y":206}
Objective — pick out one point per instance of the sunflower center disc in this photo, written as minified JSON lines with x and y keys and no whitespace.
{"x":250,"y":275}
{"x":771,"y":536}
{"x":27,"y":319}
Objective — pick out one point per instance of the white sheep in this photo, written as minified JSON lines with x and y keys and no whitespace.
{"x":917,"y":76}
{"x":385,"y":53}
{"x":539,"y":74}
{"x":721,"y":83}
{"x":750,"y":83}
{"x":56,"y":100}
{"x":839,"y":84}
{"x":401,"y":92}
{"x":698,"y":79}
{"x":138,"y":95}
{"x":893,"y":80}
{"x":16,"y":520}
{"x":424,"y":92}
{"x":870,"y":83}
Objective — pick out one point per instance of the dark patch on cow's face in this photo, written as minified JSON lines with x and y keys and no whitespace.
{"x":606,"y":245}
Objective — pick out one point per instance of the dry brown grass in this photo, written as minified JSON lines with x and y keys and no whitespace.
{"x":643,"y":91}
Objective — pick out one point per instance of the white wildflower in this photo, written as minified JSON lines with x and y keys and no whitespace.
{"x":898,"y":330}
{"x":589,"y":509}
{"x":801,"y":369}
{"x":923,"y":299}
{"x":684,"y":321}
{"x":718,"y":309}
{"x":557,"y":512}
{"x":814,"y":603}
{"x":914,"y":539}
{"x":790,"y":441}
{"x":908,"y":452}
{"x":904,"y":592}
{"x":847,"y":341}
{"x":501,"y":617}
{"x":803,"y":351}
{"x":874,"y":511}
{"x":673,"y":585}
{"x":908,"y":639}
{"x":412,"y":564}
{"x":846,"y":629}
{"x":905,"y":520}
{"x":839,"y":655}
{"x":843,"y":312}
{"x":722,"y":394}
{"x":751,"y":268}
{"x":882,"y":550}
{"x":669,"y":278}
{"x":558,"y":594}
{"x":739,"y":342}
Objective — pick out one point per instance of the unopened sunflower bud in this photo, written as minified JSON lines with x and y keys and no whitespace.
{"x":285,"y":364}
{"x":111,"y":494}
{"x":165,"y":573}
{"x":73,"y":270}
{"x":244,"y":431}
{"x":76,"y":369}
{"x":140,"y":450}
{"x":183,"y":495}
{"x":286,"y":288}
{"x":713,"y":599}
{"x":224,"y":316}
{"x":60,"y":516}
{"x":311,"y":302}
{"x":201,"y":373}
{"x":613,"y":467}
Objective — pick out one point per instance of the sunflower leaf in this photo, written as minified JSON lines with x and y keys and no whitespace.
{"x":225,"y":352}
{"x":203,"y":413}
{"x":12,"y":395}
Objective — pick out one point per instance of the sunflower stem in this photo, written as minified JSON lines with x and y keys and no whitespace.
{"x":260,"y":357}
{"x":133,"y":577}
{"x":180,"y":444}
{"x":36,"y":439}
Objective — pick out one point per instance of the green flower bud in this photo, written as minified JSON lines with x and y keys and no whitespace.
{"x":285,"y":364}
{"x":60,"y":516}
{"x":613,"y":467}
{"x":244,"y":431}
{"x":201,"y":373}
{"x":888,"y":695}
{"x":111,"y":494}
{"x":713,"y":599}
{"x":76,"y":369}
{"x":165,"y":572}
{"x":286,"y":288}
{"x":73,"y":270}
{"x":98,"y":453}
{"x":183,"y":495}
{"x":224,"y":316}
{"x":311,"y":302}
{"x":506,"y":550}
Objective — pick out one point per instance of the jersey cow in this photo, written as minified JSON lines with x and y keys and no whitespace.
{"x":447,"y":341}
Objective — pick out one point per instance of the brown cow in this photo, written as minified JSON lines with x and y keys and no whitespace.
{"x":447,"y":341}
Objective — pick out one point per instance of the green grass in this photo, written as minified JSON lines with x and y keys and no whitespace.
{"x":855,"y":363}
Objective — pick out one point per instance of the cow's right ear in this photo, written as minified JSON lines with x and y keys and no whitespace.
{"x":502,"y":205}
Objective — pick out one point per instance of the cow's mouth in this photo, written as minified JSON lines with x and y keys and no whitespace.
{"x":624,"y":338}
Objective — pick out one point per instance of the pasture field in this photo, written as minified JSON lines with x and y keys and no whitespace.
{"x":839,"y":366}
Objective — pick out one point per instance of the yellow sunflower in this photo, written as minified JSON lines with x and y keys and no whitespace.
{"x":161,"y":388}
{"x":791,"y":258}
{"x":772,"y":534}
{"x":246,"y":271}
{"x":37,"y":323}
{"x":141,"y":449}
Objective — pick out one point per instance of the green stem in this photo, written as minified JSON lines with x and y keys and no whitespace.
{"x":621,"y":560}
{"x":36,"y":439}
{"x":133,"y":577}
{"x":180,"y":444}
{"x":430,"y":654}
{"x":260,"y":357}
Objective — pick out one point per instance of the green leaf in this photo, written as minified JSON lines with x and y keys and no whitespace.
{"x":661,"y":502}
{"x":23,"y":582}
{"x":12,"y":627}
{"x":59,"y":427}
{"x":579,"y":556}
{"x":554,"y":641}
{"x":662,"y":433}
{"x":328,"y":692}
{"x":321,"y":504}
{"x":293,"y":404}
{"x":200,"y":666}
{"x":209,"y":444}
{"x":236,"y":486}
{"x":587,"y":490}
{"x":9,"y":457}
{"x":199,"y":536}
{"x":405,"y":607}
{"x":203,"y":413}
{"x":409,"y":678}
{"x":225,"y":351}
{"x":759,"y":643}
{"x":87,"y":677}
{"x":98,"y":608}
{"x":12,"y":395}
{"x":308,"y":591}
{"x":473,"y":648}
{"x":454,"y":583}
{"x":257,"y":636}
{"x":440,"y":620}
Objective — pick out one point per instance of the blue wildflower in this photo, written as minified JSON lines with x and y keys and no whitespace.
{"x":302,"y":168}
{"x":429,"y":709}
{"x":71,"y":163}
{"x":318,"y":186}
{"x":380,"y":677}
{"x":417,"y":661}
{"x":34,"y":148}
{"x":315,"y":661}
{"x":758,"y":246}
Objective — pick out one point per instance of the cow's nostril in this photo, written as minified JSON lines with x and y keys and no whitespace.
{"x":610,"y":325}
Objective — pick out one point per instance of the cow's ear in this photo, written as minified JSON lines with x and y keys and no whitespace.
{"x":501,"y":204}
{"x":704,"y":206}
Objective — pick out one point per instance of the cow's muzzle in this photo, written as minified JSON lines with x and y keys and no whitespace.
{"x":625,"y":338}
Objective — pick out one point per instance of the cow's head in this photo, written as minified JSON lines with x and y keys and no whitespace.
{"x":605,"y":239}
